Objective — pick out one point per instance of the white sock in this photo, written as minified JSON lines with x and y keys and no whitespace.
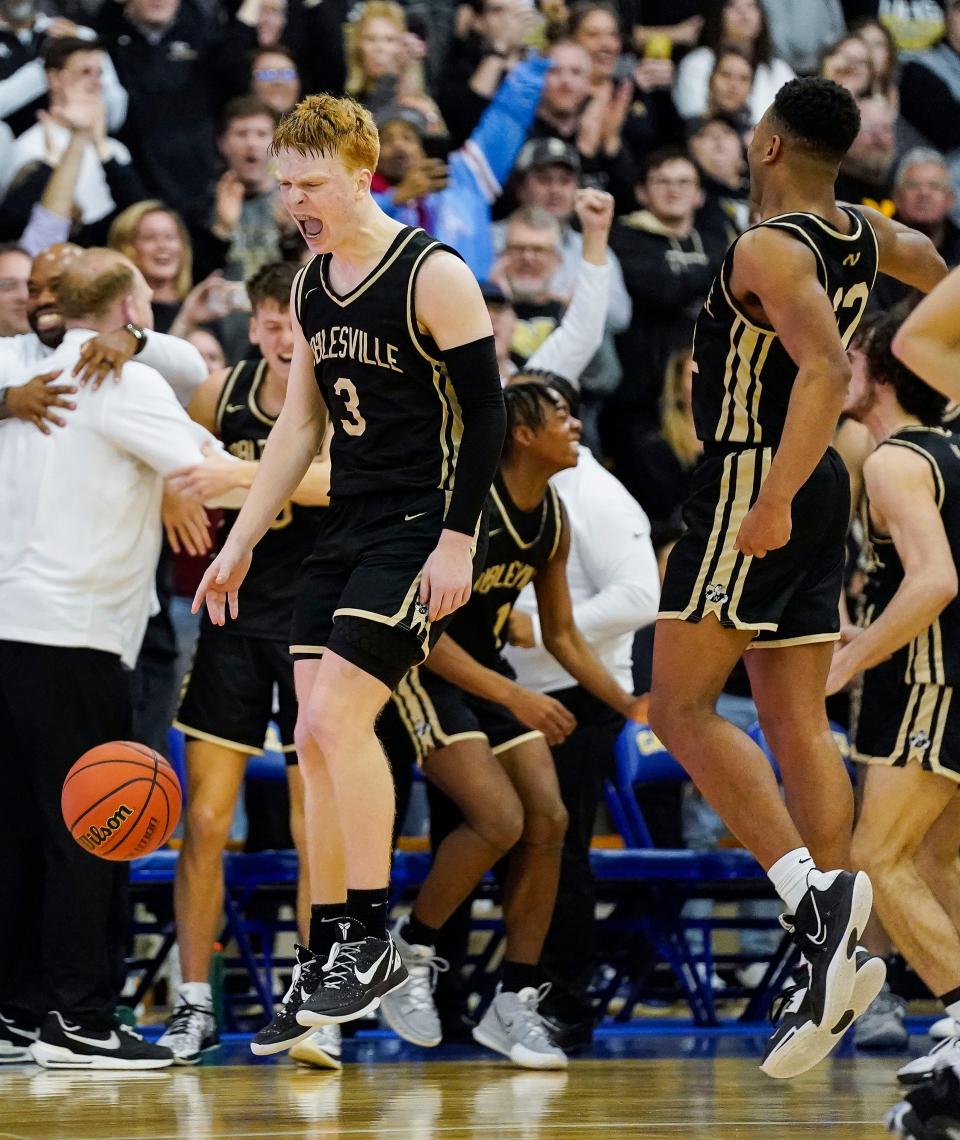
{"x":789,"y":876}
{"x":196,"y":993}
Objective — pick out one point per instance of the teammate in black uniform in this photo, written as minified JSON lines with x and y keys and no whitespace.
{"x":392,"y":341}
{"x":230,"y":695}
{"x":762,"y":557}
{"x":908,"y":726}
{"x":481,"y":738}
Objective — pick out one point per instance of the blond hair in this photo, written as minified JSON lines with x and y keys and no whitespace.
{"x":330,"y":127}
{"x":675,"y":419}
{"x":357,"y":81}
{"x":93,"y":282}
{"x":123,"y":236}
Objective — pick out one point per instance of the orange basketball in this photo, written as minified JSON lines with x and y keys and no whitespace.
{"x":121,"y":800}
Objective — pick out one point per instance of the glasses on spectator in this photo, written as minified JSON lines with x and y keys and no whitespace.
{"x":531,"y":250}
{"x":8,"y":284}
{"x":680,"y":183}
{"x":272,"y":74}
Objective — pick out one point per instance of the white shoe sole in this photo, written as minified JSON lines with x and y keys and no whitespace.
{"x":56,"y":1057}
{"x":940,"y":1030}
{"x":13,"y":1056}
{"x":404,"y":1032}
{"x":842,"y":971}
{"x":811,"y":1044}
{"x":315,"y":1020}
{"x":315,"y":1056}
{"x":519,"y":1054}
{"x":260,"y":1050}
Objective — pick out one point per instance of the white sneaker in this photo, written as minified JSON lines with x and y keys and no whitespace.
{"x":944,"y":1027}
{"x":190,"y":1030}
{"x":410,"y":1011}
{"x":321,"y":1050}
{"x":947,"y":1052}
{"x":513,"y":1026}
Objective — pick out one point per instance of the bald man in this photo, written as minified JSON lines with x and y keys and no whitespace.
{"x":78,"y":550}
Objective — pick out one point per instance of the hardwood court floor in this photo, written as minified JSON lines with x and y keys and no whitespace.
{"x":682,"y":1092}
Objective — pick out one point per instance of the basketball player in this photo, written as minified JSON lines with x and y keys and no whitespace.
{"x":225,"y":723}
{"x":482,"y":739}
{"x":761,"y":562}
{"x":392,"y":341}
{"x":906,"y":727}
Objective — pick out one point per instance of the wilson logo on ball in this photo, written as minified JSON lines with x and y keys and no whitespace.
{"x":96,"y":835}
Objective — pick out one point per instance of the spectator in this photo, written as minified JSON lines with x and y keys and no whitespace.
{"x":179,"y":68}
{"x":209,"y":348}
{"x":105,"y":180}
{"x":668,"y":266}
{"x":275,"y":78}
{"x":14,"y":274}
{"x":729,"y":87}
{"x":615,"y":589}
{"x":530,"y":258}
{"x":923,"y":198}
{"x":271,"y":22}
{"x":155,"y":239}
{"x":76,"y":565}
{"x":741,"y":24}
{"x":883,"y":52}
{"x":866,"y":173}
{"x":849,"y":62}
{"x":930,"y":95}
{"x":595,"y":26}
{"x":25,"y":34}
{"x":717,"y":150}
{"x":800,"y":32}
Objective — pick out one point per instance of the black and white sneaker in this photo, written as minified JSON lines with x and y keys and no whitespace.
{"x":931,"y":1111}
{"x":356,"y":976}
{"x":827,"y":928}
{"x":284,"y":1031}
{"x":16,"y":1037}
{"x":190,"y":1031}
{"x":798,"y":1042}
{"x":63,"y":1044}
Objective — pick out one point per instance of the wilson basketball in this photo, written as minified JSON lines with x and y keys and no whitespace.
{"x":121,"y":800}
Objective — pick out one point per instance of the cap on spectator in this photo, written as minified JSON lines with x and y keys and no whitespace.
{"x":493,"y":294}
{"x":547,"y":152}
{"x":398,"y":112}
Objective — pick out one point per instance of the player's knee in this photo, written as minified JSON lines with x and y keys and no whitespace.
{"x":672,"y":720}
{"x":207,"y":829}
{"x":548,"y":826}
{"x":501,"y":827}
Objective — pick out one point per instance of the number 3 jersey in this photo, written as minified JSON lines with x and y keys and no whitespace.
{"x":396,"y":420}
{"x":743,"y":376}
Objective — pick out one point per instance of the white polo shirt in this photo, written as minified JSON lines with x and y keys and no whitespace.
{"x":612,"y":575}
{"x":80,"y":507}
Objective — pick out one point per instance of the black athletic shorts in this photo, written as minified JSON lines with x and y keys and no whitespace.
{"x":791,"y":596}
{"x":358,"y":593}
{"x":896,"y":722}
{"x":229,"y":693}
{"x":431,"y":713}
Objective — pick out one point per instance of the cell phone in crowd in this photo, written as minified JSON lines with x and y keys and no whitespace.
{"x":228,"y":297}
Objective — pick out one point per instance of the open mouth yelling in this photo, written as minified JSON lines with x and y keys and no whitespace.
{"x":311,"y":228}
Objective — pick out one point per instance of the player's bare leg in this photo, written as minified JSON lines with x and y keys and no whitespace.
{"x":938,"y":859}
{"x":298,"y":832}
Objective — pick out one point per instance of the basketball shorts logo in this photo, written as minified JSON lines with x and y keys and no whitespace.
{"x":919,"y":740}
{"x":716,"y":593}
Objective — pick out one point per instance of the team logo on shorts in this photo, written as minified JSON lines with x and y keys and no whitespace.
{"x":419,"y":619}
{"x":716,"y":593}
{"x":919,"y":740}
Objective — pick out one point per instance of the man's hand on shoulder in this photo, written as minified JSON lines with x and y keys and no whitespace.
{"x":36,"y":400}
{"x":104,"y":354}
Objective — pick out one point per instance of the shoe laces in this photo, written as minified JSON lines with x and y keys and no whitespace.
{"x":131,"y":1032}
{"x":186,"y":1017}
{"x":531,"y":1021}
{"x":340,"y":965}
{"x":788,"y":1000}
{"x":299,"y":967}
{"x":418,"y":992}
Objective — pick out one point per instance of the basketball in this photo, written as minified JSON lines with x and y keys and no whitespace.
{"x":121,"y":800}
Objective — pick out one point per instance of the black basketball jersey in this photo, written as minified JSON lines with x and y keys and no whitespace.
{"x":743,"y":376}
{"x":933,"y":657}
{"x":520,"y":543}
{"x":269,"y":589}
{"x":396,"y":419}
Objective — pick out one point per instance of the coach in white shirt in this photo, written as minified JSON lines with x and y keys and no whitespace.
{"x":78,"y":549}
{"x":615,"y":589}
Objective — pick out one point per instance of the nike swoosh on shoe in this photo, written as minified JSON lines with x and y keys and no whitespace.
{"x":112,"y":1042}
{"x":365,"y":977}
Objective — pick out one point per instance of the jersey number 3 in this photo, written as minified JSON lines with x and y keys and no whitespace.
{"x":356,"y":424}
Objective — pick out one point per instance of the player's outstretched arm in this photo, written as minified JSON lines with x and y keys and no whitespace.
{"x":291,"y":448}
{"x":903,"y":500}
{"x":536,"y":710}
{"x":905,"y":253}
{"x":781,"y":274}
{"x":928,"y":341}
{"x":563,"y":640}
{"x":451,"y":309}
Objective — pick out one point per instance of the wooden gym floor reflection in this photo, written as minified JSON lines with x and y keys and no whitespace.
{"x":672,"y":1096}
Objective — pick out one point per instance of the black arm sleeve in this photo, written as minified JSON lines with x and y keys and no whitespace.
{"x":475,"y":377}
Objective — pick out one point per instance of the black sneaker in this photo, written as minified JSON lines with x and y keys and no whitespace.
{"x":799,"y":1042}
{"x":827,"y":928}
{"x":16,"y":1037}
{"x":931,"y":1111}
{"x":570,"y":1036}
{"x":63,"y":1044}
{"x":283,"y":1031}
{"x":355,"y":977}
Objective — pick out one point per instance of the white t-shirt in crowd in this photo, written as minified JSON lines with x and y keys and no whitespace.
{"x":611,"y":571}
{"x":81,"y":510}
